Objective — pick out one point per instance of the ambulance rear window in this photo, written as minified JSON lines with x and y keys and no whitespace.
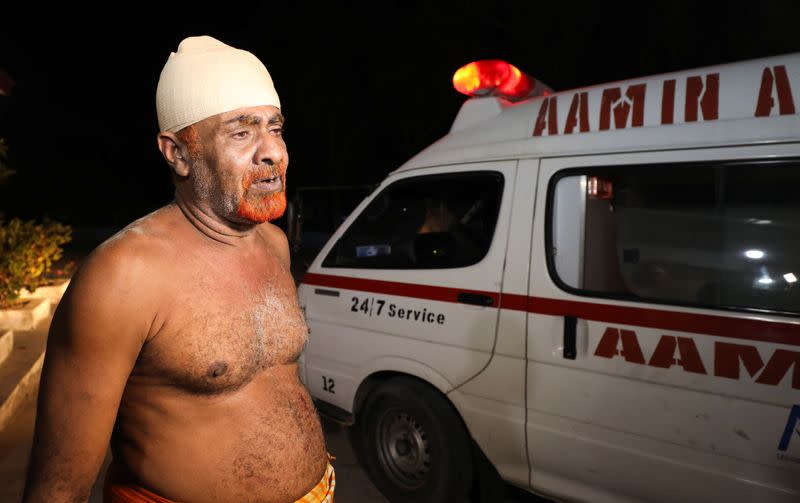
{"x":424,"y":222}
{"x":708,"y":235}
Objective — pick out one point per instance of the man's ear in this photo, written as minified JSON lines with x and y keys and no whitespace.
{"x":174,"y":152}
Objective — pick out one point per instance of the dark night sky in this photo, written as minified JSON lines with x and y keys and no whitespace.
{"x":363,"y":87}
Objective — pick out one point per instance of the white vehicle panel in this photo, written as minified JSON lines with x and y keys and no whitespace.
{"x":357,"y":315}
{"x":662,"y":400}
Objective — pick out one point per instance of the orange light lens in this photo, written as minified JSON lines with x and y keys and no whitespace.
{"x":492,"y":77}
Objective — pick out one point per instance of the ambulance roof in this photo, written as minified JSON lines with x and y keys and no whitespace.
{"x":749,"y":102}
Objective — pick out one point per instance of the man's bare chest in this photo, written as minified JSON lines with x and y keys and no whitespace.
{"x":224,"y":329}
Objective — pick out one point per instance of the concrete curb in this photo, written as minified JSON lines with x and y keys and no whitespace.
{"x":28,"y":382}
{"x":25,"y":346}
{"x":6,"y":344}
{"x":52,"y":292}
{"x":27,"y":316}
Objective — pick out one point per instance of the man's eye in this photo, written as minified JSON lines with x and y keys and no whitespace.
{"x":277,"y":130}
{"x":240,"y":135}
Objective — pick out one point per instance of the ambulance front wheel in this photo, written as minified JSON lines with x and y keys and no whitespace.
{"x":413,"y":444}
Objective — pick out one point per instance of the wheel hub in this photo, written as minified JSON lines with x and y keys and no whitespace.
{"x":403,"y":449}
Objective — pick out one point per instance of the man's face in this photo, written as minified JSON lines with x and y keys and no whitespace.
{"x":239,"y":166}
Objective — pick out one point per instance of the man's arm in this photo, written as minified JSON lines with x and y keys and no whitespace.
{"x":97,"y":332}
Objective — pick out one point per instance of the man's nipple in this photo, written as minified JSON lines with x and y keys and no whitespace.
{"x":217,"y":369}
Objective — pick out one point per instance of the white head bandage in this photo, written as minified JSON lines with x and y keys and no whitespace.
{"x":206,"y":77}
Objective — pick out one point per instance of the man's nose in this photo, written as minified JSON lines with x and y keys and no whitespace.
{"x":271,"y":150}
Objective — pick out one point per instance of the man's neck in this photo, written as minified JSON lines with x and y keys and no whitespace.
{"x":212,"y":226}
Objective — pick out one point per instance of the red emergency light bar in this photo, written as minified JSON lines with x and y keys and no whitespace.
{"x":494,"y":77}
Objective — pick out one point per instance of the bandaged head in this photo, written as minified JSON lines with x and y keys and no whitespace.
{"x":206,"y":77}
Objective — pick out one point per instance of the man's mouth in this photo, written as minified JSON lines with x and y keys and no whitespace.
{"x":270,"y":184}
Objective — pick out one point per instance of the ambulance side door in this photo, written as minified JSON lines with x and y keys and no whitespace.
{"x":663,"y":330}
{"x":411,"y":282}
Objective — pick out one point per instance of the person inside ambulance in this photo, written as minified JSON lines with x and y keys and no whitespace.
{"x":438,"y":217}
{"x":441,"y":239}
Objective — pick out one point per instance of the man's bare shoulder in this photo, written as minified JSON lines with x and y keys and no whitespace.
{"x":273,"y":233}
{"x":141,"y":244}
{"x":128,"y":266}
{"x":276,"y":240}
{"x":117,"y":289}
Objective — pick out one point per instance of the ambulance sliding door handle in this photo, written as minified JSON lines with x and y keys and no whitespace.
{"x":570,"y":350}
{"x":475,"y":299}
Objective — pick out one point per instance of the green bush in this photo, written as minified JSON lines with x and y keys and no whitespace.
{"x":27,"y":252}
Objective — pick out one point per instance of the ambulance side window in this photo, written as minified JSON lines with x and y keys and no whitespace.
{"x":425,"y":222}
{"x":709,"y":235}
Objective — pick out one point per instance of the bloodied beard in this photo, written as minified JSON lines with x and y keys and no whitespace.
{"x":256,"y":196}
{"x":264,"y":195}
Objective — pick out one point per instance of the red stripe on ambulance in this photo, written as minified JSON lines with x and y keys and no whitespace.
{"x":704,"y":324}
{"x":442,"y":294}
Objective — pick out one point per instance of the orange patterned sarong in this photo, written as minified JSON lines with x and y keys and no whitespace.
{"x":120,"y":491}
{"x":323,"y":492}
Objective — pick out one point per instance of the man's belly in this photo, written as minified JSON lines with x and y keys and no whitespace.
{"x":262,"y":442}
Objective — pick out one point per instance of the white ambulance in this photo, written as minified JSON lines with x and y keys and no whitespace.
{"x":595,"y":290}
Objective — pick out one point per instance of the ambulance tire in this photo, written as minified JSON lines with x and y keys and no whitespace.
{"x":413,"y":444}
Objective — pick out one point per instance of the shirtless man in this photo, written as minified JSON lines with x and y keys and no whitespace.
{"x":178,"y":338}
